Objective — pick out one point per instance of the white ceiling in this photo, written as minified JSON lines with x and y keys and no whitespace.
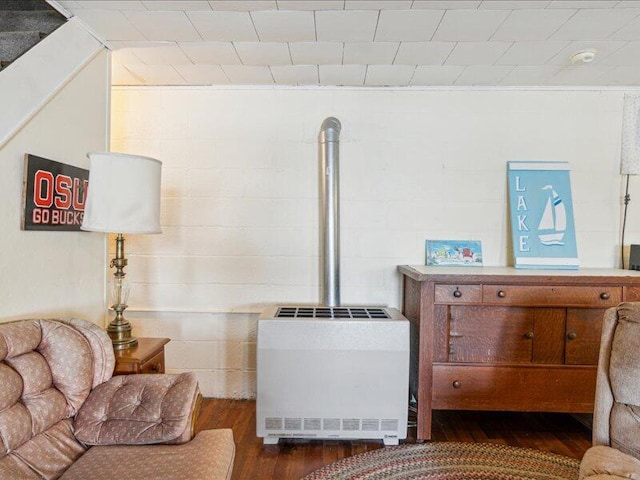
{"x":367,"y":42}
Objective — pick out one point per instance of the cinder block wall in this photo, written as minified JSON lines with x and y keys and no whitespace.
{"x":240,"y":197}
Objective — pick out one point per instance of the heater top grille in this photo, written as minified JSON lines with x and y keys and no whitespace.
{"x":331,"y":312}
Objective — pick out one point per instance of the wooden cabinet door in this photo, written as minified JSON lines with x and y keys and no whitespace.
{"x":506,"y":335}
{"x":584,"y":328}
{"x":490,"y":335}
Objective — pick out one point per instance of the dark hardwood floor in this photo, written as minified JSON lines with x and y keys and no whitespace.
{"x":552,"y":432}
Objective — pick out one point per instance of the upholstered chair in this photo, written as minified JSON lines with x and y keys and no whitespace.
{"x":616,"y":421}
{"x":62,"y":415}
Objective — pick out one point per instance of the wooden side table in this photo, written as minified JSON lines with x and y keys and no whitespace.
{"x":146,"y":357}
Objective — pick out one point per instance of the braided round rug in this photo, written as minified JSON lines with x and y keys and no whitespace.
{"x":451,"y":461}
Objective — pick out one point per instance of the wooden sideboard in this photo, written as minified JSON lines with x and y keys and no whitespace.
{"x":497,"y":338}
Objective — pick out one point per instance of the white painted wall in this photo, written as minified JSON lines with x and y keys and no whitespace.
{"x":240,"y":198}
{"x":54,"y":274}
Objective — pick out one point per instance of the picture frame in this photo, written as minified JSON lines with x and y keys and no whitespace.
{"x":463,"y":253}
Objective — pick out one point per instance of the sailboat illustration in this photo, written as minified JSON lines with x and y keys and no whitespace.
{"x":554,"y":220}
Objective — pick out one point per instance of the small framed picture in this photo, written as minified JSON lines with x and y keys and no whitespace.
{"x":465,"y":253}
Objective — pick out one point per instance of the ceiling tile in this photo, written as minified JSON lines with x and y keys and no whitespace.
{"x":111,"y":25}
{"x":622,"y":76}
{"x":582,"y":75}
{"x":214,"y":53}
{"x":423,"y":53}
{"x":155,"y":53}
{"x":477,"y":53}
{"x":469,"y":25}
{"x":243,"y":5}
{"x":483,"y":75}
{"x":513,"y":5}
{"x":284,"y":26}
{"x":166,"y":5}
{"x":351,"y":75}
{"x":446,"y":4}
{"x":432,"y":75}
{"x":629,"y":32}
{"x":377,"y":4}
{"x":68,"y":4}
{"x":530,"y":75}
{"x":603,"y":50}
{"x":157,"y":74}
{"x":248,"y":75}
{"x":295,"y":74}
{"x":346,"y":26}
{"x":391,"y":75}
{"x":263,"y":53}
{"x":582,"y":4}
{"x":310,"y":4}
{"x":316,"y":53}
{"x":124,"y":55}
{"x":594,"y":24}
{"x":627,"y":55}
{"x":531,"y":53}
{"x":527,"y":25}
{"x":407,"y":25}
{"x":371,"y":53}
{"x":110,"y":5}
{"x":163,"y":26}
{"x":224,"y":26}
{"x":121,"y":76}
{"x":203,"y":74}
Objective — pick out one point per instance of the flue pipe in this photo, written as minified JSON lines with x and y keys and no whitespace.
{"x":329,"y":143}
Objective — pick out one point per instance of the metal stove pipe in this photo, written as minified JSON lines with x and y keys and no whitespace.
{"x":329,"y":144}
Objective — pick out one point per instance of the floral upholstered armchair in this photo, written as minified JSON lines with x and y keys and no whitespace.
{"x":62,"y":415}
{"x":616,"y":419}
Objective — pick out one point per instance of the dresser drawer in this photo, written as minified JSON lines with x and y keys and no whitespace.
{"x":605,"y":296}
{"x":631,"y":294}
{"x":458,"y":294}
{"x":154,"y":365}
{"x":533,"y":388}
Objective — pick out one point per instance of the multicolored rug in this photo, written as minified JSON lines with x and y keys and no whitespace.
{"x":451,"y":461}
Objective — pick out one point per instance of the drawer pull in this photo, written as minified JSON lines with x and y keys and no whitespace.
{"x":502,"y":293}
{"x":572,"y":335}
{"x":156,"y":367}
{"x":605,"y":296}
{"x":456,"y":384}
{"x":457,"y":293}
{"x":529,"y":335}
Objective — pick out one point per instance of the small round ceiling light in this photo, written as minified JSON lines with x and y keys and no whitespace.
{"x":584,"y":56}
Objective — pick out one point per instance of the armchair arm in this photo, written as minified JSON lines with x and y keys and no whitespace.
{"x":139,"y":410}
{"x":602,"y":462}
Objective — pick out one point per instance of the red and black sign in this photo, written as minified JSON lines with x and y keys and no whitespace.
{"x":54,"y":195}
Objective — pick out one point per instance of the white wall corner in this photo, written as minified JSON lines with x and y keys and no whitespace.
{"x":29,"y":82}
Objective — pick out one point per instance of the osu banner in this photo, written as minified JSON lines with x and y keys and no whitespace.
{"x":54,"y":195}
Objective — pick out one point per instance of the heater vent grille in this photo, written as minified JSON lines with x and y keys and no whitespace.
{"x":334,"y":424}
{"x":331,"y":312}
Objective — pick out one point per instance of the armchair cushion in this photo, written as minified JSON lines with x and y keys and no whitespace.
{"x":139,"y":410}
{"x":208,"y":456}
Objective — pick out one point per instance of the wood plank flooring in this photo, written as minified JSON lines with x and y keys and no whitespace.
{"x":553,"y":432}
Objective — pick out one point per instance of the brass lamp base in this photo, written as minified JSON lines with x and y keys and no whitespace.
{"x":120,"y":334}
{"x":120,"y":329}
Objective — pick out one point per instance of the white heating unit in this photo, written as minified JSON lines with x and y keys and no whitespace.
{"x":332,"y":373}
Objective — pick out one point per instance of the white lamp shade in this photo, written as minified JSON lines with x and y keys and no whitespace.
{"x":123,"y":194}
{"x":630,"y":154}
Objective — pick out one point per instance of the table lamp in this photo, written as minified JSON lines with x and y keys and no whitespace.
{"x":123,"y":198}
{"x":630,"y":151}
